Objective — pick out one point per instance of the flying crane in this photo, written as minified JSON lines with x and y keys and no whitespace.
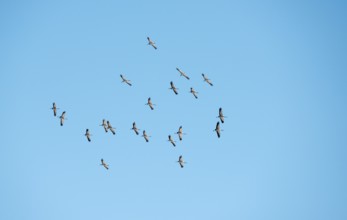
{"x":87,"y":134}
{"x":193,"y":92}
{"x":182,"y":73}
{"x":207,"y":79}
{"x":109,"y":126}
{"x":62,"y":118}
{"x":104,"y":164}
{"x":104,"y":125}
{"x":152,"y":43}
{"x":174,"y":89}
{"x":145,"y":136}
{"x":149,"y":103}
{"x":217,"y":130}
{"x":54,"y":108}
{"x":181,"y":161}
{"x":180,"y":133}
{"x":136,"y":130}
{"x":172,"y":141}
{"x":220,"y":115}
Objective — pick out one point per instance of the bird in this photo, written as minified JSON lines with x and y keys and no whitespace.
{"x":135,"y":128}
{"x":181,"y":161}
{"x":182,"y":73}
{"x":217,"y":130}
{"x":152,"y":43}
{"x":193,"y":92}
{"x":87,"y":134}
{"x":104,"y":164}
{"x":104,"y":125}
{"x":174,"y":89}
{"x":62,"y":118}
{"x":124,"y":80}
{"x":145,"y":136}
{"x":149,"y":103}
{"x":207,"y":79}
{"x":109,"y":126}
{"x":220,"y":115}
{"x":54,"y":108}
{"x":180,"y":133}
{"x":172,"y":141}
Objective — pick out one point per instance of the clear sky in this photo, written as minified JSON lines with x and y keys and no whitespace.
{"x":279,"y":73}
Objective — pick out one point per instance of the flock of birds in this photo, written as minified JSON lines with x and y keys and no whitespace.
{"x":108,"y":127}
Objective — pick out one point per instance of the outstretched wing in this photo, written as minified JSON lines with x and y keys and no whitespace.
{"x":112,"y":130}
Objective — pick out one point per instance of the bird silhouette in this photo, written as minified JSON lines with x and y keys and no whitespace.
{"x":152,"y":43}
{"x":207,"y":79}
{"x":104,"y":164}
{"x":182,"y":73}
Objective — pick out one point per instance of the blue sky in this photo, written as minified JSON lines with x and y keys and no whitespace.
{"x":279,"y":72}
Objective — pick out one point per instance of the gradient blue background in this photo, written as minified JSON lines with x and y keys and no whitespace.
{"x":279,"y":69}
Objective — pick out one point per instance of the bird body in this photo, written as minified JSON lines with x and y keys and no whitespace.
{"x":217,"y":130}
{"x":182,"y":73}
{"x":172,"y":141}
{"x":152,"y":43}
{"x":181,"y":161}
{"x":149,"y":103}
{"x":207,"y":79}
{"x":109,"y":126}
{"x":104,"y":164}
{"x":194,"y":92}
{"x":104,"y":125}
{"x":174,"y":89}
{"x":136,"y":130}
{"x":87,"y":134}
{"x":145,"y":136}
{"x":54,"y":108}
{"x":220,"y":115}
{"x":62,"y":118}
{"x":180,"y":133}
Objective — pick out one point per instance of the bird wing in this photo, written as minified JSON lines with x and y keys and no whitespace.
{"x":112,"y":130}
{"x":146,"y":138}
{"x":217,"y":126}
{"x":222,"y":119}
